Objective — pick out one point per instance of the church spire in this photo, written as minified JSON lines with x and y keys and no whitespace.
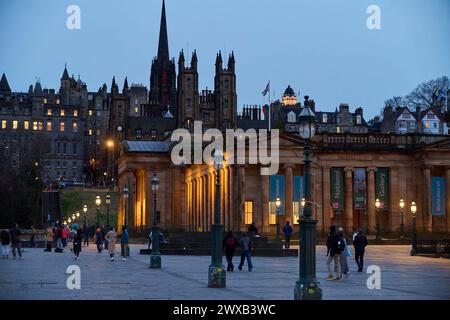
{"x":163,"y":46}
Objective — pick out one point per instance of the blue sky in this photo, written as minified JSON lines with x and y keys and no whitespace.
{"x":322,"y":48}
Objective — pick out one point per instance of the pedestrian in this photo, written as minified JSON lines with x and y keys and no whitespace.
{"x":6,"y":241}
{"x":360,"y":244}
{"x":345,"y":253}
{"x":99,"y":239}
{"x":150,"y":241}
{"x":246,"y":252}
{"x":229,"y":245}
{"x":86,"y":235}
{"x":287,"y":230}
{"x":32,"y":237}
{"x":64,"y":233}
{"x":49,"y":237}
{"x":124,"y":243}
{"x":252,"y":230}
{"x":15,"y":241}
{"x":111,"y":237}
{"x":77,"y":239}
{"x":59,"y":235}
{"x":334,"y":249}
{"x":105,"y":241}
{"x":355,"y":233}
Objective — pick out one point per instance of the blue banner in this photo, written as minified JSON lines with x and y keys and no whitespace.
{"x":276,"y":188}
{"x":299,"y":188}
{"x":437,"y":196}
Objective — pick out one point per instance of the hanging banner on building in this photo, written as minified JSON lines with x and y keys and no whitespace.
{"x":438,"y":196}
{"x":359,"y":188}
{"x":337,"y":189}
{"x":382,"y":187}
{"x":276,"y":188}
{"x":299,"y":188}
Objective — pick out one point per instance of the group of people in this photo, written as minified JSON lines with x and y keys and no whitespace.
{"x":107,"y":241}
{"x":338,"y":250}
{"x":230,"y":243}
{"x":10,"y":238}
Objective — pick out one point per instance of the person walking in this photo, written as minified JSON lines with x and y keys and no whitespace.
{"x":334,"y":248}
{"x":6,"y":241}
{"x":59,"y":235}
{"x":229,"y":245}
{"x":252,"y":230}
{"x":246,"y":246}
{"x":360,"y":244}
{"x":99,"y":239}
{"x":86,"y":235}
{"x":64,"y":233}
{"x":15,"y":241}
{"x":287,"y":230}
{"x":77,"y":240}
{"x":344,"y":253}
{"x":124,"y":243}
{"x":111,"y":237}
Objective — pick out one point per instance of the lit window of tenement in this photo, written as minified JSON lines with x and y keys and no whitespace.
{"x":49,"y":112}
{"x":75,"y":113}
{"x":15,"y":124}
{"x":63,"y":112}
{"x":90,"y":132}
{"x":45,"y":100}
{"x":74,"y":127}
{"x":35,"y":125}
{"x":40,"y":126}
{"x":57,"y":101}
{"x":49,"y":126}
{"x":338,"y":130}
{"x":4,"y":123}
{"x":26,"y":125}
{"x":61,"y":126}
{"x":90,"y":113}
{"x":136,"y":110}
{"x":248,"y":212}
{"x":427,"y":124}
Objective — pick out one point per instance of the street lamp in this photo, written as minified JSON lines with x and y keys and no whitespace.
{"x":69,"y":220}
{"x":85,"y":214}
{"x":278,"y":205}
{"x":307,"y":287}
{"x":402,"y":226}
{"x":414,"y":236}
{"x":108,"y":202}
{"x":216,"y":271}
{"x":73,"y":217}
{"x":125,"y":198}
{"x":98,"y":202}
{"x":377,"y":206}
{"x":155,"y":258}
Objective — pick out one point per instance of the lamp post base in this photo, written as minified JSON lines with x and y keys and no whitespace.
{"x":307,"y":291}
{"x":155,"y":261}
{"x":216,"y":277}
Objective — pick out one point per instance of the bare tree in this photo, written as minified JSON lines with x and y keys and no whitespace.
{"x":428,"y":94}
{"x":395,"y":102}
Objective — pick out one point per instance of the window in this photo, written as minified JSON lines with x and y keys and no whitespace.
{"x":98,"y":142}
{"x":49,"y":126}
{"x":65,"y":148}
{"x":62,"y":126}
{"x":226,"y":84}
{"x":75,"y":113}
{"x":430,"y":116}
{"x":338,"y":119}
{"x":188,"y":80}
{"x":435,"y":125}
{"x":136,"y":109}
{"x":427,"y":124}
{"x":26,"y":124}
{"x":324,"y":118}
{"x":45,"y":100}
{"x":90,"y":97}
{"x":15,"y":124}
{"x":90,"y":112}
{"x":248,"y":212}
{"x":74,"y":165}
{"x":49,"y":112}
{"x":291,"y":116}
{"x":65,"y":164}
{"x":4,"y":122}
{"x":47,"y":164}
{"x":35,"y":125}
{"x":153,"y":133}
{"x":206,"y":117}
{"x":99,"y":113}
{"x":57,"y":101}
{"x":272,"y":213}
{"x":226,"y":104}
{"x":40,"y":126}
{"x":295,"y":212}
{"x":74,"y":127}
{"x":338,"y":130}
{"x":75,"y":151}
{"x":402,"y":125}
{"x":412,"y":125}
{"x":98,"y":132}
{"x":58,"y":149}
{"x":63,"y":112}
{"x":90,"y":132}
{"x":358,"y":119}
{"x":138,"y":133}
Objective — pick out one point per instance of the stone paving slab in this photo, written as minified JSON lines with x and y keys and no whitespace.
{"x":42,"y":275}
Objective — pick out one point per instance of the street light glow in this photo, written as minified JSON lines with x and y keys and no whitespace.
{"x":377,"y":203}
{"x":413,"y":208}
{"x":98,"y":201}
{"x":402,"y":203}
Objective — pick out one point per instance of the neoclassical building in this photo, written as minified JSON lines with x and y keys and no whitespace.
{"x":349,"y":172}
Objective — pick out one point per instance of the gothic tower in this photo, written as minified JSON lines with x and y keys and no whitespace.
{"x":225,"y":93}
{"x":188,"y":92}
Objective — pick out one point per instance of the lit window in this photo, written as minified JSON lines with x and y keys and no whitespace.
{"x":74,"y":127}
{"x":26,"y":125}
{"x":15,"y":124}
{"x":49,"y":112}
{"x":427,"y":124}
{"x":57,"y":101}
{"x":295,"y":212}
{"x":40,"y":126}
{"x":90,"y":112}
{"x":248,"y":212}
{"x":136,"y":110}
{"x":75,"y":113}
{"x":272,"y":213}
{"x":4,"y":124}
{"x":358,"y":119}
{"x":61,"y":127}
{"x":324,"y":118}
{"x":45,"y":100}
{"x":35,"y":125}
{"x":90,"y":132}
{"x":63,"y":112}
{"x":49,"y":126}
{"x":338,"y":130}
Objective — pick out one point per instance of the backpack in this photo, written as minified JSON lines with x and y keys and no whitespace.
{"x":231,"y":242}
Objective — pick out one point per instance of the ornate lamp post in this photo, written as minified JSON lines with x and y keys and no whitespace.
{"x":377,"y":206}
{"x":216,"y":272}
{"x":98,"y":202}
{"x":414,"y":235}
{"x":402,"y":226}
{"x":278,"y":205}
{"x":125,"y":198}
{"x":108,"y":202}
{"x":85,"y":214}
{"x":307,"y":287}
{"x":155,"y":258}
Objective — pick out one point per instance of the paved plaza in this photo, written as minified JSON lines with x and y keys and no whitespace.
{"x":42,"y":275}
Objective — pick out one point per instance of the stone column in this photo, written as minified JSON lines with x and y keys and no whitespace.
{"x":371,"y":211}
{"x":348,"y":214}
{"x":289,"y":193}
{"x":427,"y":217}
{"x":447,"y":197}
{"x":231,"y":194}
{"x":265,"y":226}
{"x":326,"y":205}
{"x":394,"y":197}
{"x":131,"y":183}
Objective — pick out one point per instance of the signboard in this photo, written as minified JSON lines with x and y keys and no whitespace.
{"x":337,"y":189}
{"x":382,"y":187}
{"x":359,"y":188}
{"x":276,"y":188}
{"x":438,"y":196}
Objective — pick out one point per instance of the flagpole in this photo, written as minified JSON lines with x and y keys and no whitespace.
{"x":270,"y":127}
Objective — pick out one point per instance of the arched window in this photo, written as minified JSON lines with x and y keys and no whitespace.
{"x":291,"y":116}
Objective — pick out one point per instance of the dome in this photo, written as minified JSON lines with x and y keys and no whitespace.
{"x":289,"y":91}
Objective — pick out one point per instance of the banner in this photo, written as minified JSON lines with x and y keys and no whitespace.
{"x":299,"y":188}
{"x":382,"y":187}
{"x":337,"y":189}
{"x":276,"y":188}
{"x":438,"y":196}
{"x":359,"y":188}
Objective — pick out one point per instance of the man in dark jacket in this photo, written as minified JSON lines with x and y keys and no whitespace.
{"x":229,"y":245}
{"x":15,"y":241}
{"x":360,"y":244}
{"x":287,"y":230}
{"x":246,"y":252}
{"x":335,"y":245}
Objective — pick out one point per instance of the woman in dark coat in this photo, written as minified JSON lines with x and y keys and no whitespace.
{"x":99,"y":239}
{"x":77,"y":239}
{"x":229,"y":245}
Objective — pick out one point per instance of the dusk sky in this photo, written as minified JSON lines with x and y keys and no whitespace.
{"x":321,"y":48}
